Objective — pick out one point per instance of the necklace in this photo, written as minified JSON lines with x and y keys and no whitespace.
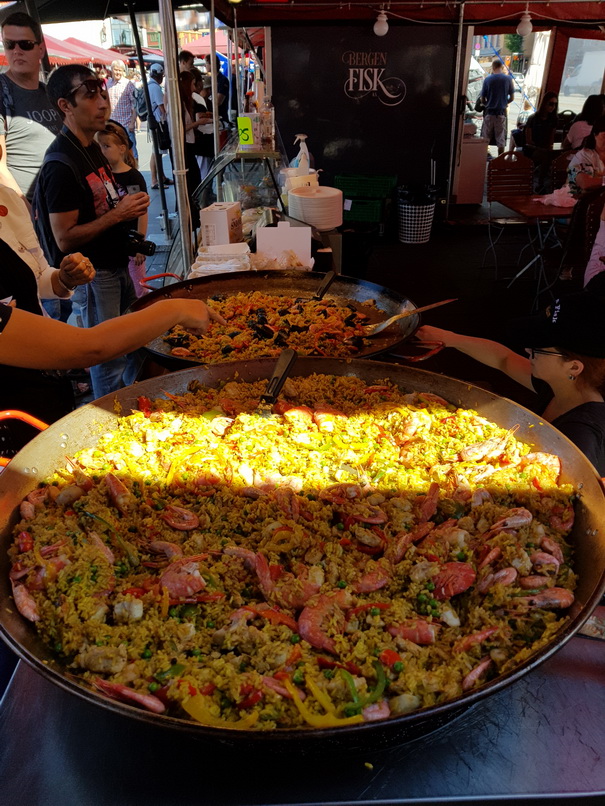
{"x":111,"y":189}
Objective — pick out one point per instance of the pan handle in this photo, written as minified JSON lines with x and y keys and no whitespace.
{"x":10,"y":414}
{"x":433,"y":348}
{"x":157,"y":277}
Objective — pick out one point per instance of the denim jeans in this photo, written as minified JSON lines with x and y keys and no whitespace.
{"x":108,"y":296}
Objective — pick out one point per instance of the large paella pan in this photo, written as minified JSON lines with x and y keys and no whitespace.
{"x":347,"y":293}
{"x":80,"y":431}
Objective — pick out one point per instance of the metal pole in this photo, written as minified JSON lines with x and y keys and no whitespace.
{"x":231,"y":82}
{"x":32,"y":10}
{"x":268,"y":54}
{"x":214,"y":83}
{"x":237,"y":73}
{"x":151,"y":121}
{"x":453,"y":129}
{"x":177,"y":132}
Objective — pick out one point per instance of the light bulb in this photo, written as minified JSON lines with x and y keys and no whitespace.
{"x":525,"y":27}
{"x":381,"y":26}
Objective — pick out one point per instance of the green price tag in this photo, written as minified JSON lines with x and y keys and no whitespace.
{"x":244,"y":130}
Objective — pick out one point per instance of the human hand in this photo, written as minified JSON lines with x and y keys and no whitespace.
{"x":132,"y":206}
{"x":429,"y":333}
{"x":195,"y":316}
{"x":75,"y":269}
{"x":139,"y":259}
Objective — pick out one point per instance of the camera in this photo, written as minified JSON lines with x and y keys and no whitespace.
{"x":136,"y":244}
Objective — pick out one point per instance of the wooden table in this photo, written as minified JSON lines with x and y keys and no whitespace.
{"x":536,"y":213}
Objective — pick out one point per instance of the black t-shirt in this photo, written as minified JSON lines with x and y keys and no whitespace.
{"x":85,"y":184}
{"x":130,"y":181}
{"x":584,"y":425}
{"x":541,"y":129}
{"x":43,"y":394}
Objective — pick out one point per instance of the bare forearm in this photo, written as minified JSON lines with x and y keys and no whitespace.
{"x":70,"y":239}
{"x":6,"y":178}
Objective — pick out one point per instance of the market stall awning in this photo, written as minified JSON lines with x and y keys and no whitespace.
{"x":60,"y":52}
{"x":98,"y":55}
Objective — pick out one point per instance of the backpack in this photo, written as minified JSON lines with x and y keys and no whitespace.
{"x":7,"y":105}
{"x":141,"y":106}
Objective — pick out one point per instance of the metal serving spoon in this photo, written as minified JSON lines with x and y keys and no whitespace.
{"x":378,"y":327}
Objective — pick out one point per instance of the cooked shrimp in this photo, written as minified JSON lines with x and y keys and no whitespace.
{"x":25,"y":602}
{"x":183,"y":578}
{"x":454,"y":578}
{"x":551,"y":599}
{"x":418,"y":631}
{"x":311,"y":620}
{"x":118,"y":492}
{"x":473,"y":676}
{"x":120,"y":692}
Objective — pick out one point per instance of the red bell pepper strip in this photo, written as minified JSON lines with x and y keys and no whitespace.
{"x":144,"y":404}
{"x":389,"y":657}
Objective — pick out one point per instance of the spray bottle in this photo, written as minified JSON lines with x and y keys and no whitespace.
{"x":301,"y":161}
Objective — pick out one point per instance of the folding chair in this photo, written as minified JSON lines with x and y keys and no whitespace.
{"x":558,"y":169}
{"x":510,"y":174}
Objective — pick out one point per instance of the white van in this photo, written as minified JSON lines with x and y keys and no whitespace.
{"x":587,"y":77}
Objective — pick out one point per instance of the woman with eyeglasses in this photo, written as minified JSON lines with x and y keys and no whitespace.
{"x":586,"y":170}
{"x":566,"y":368}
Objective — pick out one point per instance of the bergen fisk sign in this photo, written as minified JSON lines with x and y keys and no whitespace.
{"x":368,"y":75}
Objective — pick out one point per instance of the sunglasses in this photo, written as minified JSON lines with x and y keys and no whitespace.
{"x":533,"y":351}
{"x":92,"y":85}
{"x":24,"y":44}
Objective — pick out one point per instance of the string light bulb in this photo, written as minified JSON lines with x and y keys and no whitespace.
{"x":381,"y":26}
{"x":525,"y":27}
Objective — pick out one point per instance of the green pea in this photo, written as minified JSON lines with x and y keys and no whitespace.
{"x":189,"y":611}
{"x":340,"y":527}
{"x":398,"y":667}
{"x":77,"y":579}
{"x":374,"y":611}
{"x":196,"y":652}
{"x":433,"y":603}
{"x":294,"y":638}
{"x":210,"y":624}
{"x":341,"y":584}
{"x":154,"y":687}
{"x":243,"y":666}
{"x":147,"y":653}
{"x":461,"y":556}
{"x":298,"y":678}
{"x":328,"y":674}
{"x":430,"y":586}
{"x":376,"y":652}
{"x":422,"y":597}
{"x":173,"y":612}
{"x":58,"y":646}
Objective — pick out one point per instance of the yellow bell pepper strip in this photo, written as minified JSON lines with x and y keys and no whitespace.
{"x":321,"y":696}
{"x":176,"y":462}
{"x":164,"y":603}
{"x":197,"y":709}
{"x":329,"y":720}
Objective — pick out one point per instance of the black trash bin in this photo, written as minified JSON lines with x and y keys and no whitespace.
{"x":358,"y":242}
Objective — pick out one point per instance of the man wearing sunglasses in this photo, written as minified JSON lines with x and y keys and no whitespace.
{"x":29,"y":121}
{"x":78,"y":207}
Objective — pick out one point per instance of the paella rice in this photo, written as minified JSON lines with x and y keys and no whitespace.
{"x":260,"y":324}
{"x":353,"y":553}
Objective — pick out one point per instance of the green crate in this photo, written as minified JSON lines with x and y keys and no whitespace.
{"x":364,"y":210}
{"x":365,"y":186}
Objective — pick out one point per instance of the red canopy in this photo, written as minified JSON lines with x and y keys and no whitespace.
{"x":97,"y":54}
{"x":66,"y":52}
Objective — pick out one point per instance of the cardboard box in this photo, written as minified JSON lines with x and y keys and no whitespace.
{"x":221,"y":223}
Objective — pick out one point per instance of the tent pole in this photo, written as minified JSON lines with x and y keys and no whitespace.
{"x":32,"y":10}
{"x":177,"y":133}
{"x":237,"y":75}
{"x":455,"y":107}
{"x":214,"y":84}
{"x":151,"y":121}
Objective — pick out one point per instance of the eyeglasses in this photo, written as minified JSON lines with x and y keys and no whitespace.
{"x":92,"y":85}
{"x":24,"y":44}
{"x":533,"y":351}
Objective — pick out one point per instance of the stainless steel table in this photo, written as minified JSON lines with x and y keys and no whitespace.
{"x":542,"y":738}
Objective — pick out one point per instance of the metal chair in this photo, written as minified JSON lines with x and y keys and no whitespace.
{"x":510,"y":174}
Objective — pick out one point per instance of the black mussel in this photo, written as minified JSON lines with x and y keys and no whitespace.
{"x":216,"y":297}
{"x":280,"y":340}
{"x":181,"y":340}
{"x":357,"y":342}
{"x":283,"y":312}
{"x":351,"y":319}
{"x":226,"y":349}
{"x":323,"y":312}
{"x":262,"y":331}
{"x":233,"y":334}
{"x":297,"y":329}
{"x":351,"y":307}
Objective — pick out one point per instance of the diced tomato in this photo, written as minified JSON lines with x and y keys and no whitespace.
{"x":281,"y":675}
{"x":69,"y":512}
{"x":276,"y":571}
{"x":192,"y":689}
{"x":345,"y":542}
{"x":253,"y":697}
{"x":25,"y":542}
{"x":207,"y":689}
{"x":537,"y":484}
{"x":138,"y":592}
{"x":389,"y":657}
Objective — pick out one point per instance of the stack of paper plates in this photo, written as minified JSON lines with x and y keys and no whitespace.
{"x":321,"y":207}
